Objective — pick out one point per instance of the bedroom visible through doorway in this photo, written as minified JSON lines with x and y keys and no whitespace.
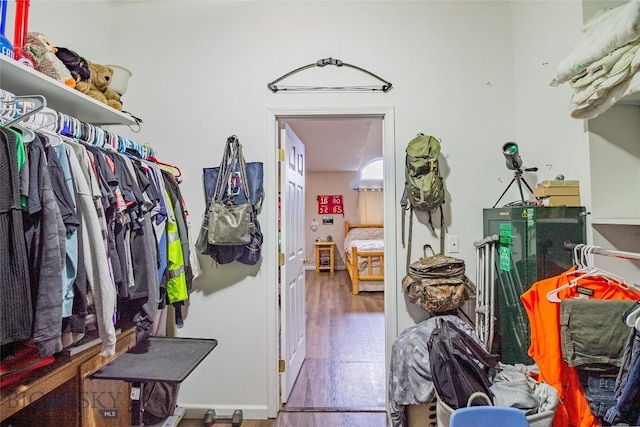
{"x":344,"y":368}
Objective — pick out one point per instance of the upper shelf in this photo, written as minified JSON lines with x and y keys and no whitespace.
{"x":615,"y":221}
{"x":633,"y":99}
{"x":22,"y":80}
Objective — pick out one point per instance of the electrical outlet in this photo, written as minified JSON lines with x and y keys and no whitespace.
{"x":453,"y":246}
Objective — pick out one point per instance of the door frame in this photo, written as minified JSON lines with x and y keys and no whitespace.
{"x":273,"y":115}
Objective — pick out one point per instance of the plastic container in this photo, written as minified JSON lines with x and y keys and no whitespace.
{"x":120,"y":79}
{"x":443,"y":413}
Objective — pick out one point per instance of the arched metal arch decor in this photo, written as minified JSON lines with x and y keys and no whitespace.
{"x":385,"y":87}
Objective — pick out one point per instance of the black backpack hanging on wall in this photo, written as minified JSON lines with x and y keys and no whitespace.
{"x":460,"y":366}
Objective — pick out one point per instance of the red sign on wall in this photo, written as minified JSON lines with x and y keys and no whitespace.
{"x":330,"y":205}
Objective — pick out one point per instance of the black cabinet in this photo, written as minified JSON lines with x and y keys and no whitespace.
{"x":530,"y":249}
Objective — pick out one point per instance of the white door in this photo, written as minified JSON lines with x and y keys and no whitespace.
{"x":292,"y":291}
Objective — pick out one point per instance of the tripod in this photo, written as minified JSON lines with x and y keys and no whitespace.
{"x":517,"y":177}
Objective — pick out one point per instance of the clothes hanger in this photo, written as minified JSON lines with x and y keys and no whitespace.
{"x":590,"y":270}
{"x":47,"y":118}
{"x":71,"y":129}
{"x":99,"y":137}
{"x":632,"y":314}
{"x":173,"y":170}
{"x":578,"y":258}
{"x":13,"y":117}
{"x":27,"y":134}
{"x":597,"y":271}
{"x":42,"y":122}
{"x":578,"y":261}
{"x":7,"y":103}
{"x":55,"y":139}
{"x":64,"y":128}
{"x":39,"y":105}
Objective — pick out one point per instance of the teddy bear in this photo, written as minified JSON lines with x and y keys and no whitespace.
{"x":97,"y":86}
{"x":42,"y":54}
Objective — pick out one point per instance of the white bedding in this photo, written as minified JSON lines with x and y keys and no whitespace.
{"x":365,"y":239}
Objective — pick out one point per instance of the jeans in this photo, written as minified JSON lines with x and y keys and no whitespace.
{"x":627,"y":408}
{"x":599,"y":389}
{"x":631,"y":353}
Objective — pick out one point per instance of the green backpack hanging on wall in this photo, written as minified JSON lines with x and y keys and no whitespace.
{"x":423,"y":184}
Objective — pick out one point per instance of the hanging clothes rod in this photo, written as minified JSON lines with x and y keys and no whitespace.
{"x":69,"y":126}
{"x":634,"y":256}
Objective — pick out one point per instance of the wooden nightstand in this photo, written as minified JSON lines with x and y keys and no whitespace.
{"x":325,"y":251}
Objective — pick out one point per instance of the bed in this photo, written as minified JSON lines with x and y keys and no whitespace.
{"x":364,"y":256}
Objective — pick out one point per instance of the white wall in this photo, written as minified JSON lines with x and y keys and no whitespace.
{"x":547,"y":139}
{"x":82,"y":26}
{"x":470,"y":73}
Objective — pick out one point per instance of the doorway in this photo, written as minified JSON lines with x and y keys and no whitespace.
{"x":275,"y":117}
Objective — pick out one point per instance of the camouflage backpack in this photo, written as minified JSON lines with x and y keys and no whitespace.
{"x":423,"y":184}
{"x":437,"y":283}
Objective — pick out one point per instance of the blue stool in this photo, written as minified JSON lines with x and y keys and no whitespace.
{"x":488,"y":416}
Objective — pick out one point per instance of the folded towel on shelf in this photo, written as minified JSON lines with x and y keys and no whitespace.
{"x":605,"y":32}
{"x":619,"y":64}
{"x":628,"y":89}
{"x":605,"y":75}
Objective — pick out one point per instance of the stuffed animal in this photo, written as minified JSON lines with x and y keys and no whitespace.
{"x":75,"y":63}
{"x":97,"y":86}
{"x":42,"y":54}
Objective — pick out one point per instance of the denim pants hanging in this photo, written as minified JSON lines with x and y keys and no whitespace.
{"x":599,"y":388}
{"x":627,"y":408}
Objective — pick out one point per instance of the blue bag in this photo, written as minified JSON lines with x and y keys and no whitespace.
{"x":255,"y":174}
{"x":234,"y":193}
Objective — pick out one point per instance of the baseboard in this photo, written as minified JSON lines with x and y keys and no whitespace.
{"x":249,"y":412}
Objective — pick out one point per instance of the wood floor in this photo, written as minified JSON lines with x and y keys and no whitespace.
{"x":342,"y":380}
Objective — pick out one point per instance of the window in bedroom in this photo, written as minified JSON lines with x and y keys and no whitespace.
{"x":371,"y":174}
{"x":370,"y":197}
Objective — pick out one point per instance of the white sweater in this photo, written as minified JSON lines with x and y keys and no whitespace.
{"x":95,"y":255}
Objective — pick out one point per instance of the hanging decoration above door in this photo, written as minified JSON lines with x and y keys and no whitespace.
{"x":385,"y":87}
